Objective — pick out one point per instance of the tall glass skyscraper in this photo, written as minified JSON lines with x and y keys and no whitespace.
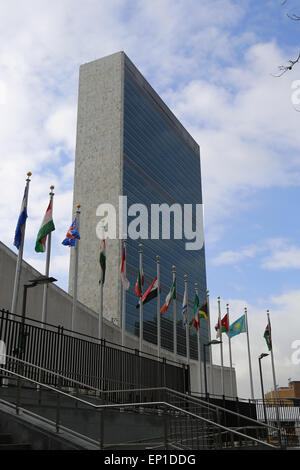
{"x":129,"y":143}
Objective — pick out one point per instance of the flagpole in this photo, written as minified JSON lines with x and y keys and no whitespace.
{"x":273,"y":372}
{"x":187,"y":330}
{"x":198,"y":340}
{"x":174,"y":316}
{"x":249,"y":355}
{"x":230,"y":354}
{"x":210,"y":355}
{"x":75,"y":285}
{"x":45,"y":293}
{"x":123,"y":323}
{"x":100,"y":325}
{"x":103,"y":248}
{"x":158,"y":305}
{"x":141,"y":298}
{"x":221,"y":347}
{"x":20,"y":256}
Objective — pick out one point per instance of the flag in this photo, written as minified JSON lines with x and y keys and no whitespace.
{"x":184,"y":309}
{"x":21,"y":221}
{"x":46,"y":228}
{"x":267,"y":336}
{"x":102,"y":261}
{"x":196,"y":304}
{"x":71,"y":235}
{"x":125,"y":281}
{"x":195,"y":320}
{"x":203,"y":311}
{"x":139,"y":285}
{"x":224,"y":325}
{"x":171,"y":295}
{"x":150,"y":293}
{"x":237,"y":327}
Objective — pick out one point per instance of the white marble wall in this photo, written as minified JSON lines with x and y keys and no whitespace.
{"x":98,"y":176}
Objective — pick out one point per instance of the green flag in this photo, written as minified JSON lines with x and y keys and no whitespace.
{"x":46,"y":228}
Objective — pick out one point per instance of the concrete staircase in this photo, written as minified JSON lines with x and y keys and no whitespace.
{"x":7,"y":443}
{"x":121,"y":429}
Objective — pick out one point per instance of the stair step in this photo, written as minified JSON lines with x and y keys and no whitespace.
{"x":5,"y":438}
{"x":15,"y":447}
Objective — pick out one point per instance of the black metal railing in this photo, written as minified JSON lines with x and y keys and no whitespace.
{"x":183,"y":427}
{"x":288,"y":412}
{"x":97,"y":363}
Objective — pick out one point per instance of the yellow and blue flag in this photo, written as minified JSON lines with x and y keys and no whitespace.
{"x":239,"y":326}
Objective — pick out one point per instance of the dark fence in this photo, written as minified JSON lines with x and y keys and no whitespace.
{"x":96,"y":363}
{"x":288,"y":410}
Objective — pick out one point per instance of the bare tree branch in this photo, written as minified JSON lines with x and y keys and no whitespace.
{"x":293,"y":17}
{"x":285,"y":68}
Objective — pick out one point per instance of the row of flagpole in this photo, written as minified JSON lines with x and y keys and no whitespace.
{"x":43,"y":244}
{"x":225,"y":323}
{"x":171,"y":295}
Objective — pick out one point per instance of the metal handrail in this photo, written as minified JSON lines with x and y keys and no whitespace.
{"x":49,"y":421}
{"x":130,"y":405}
{"x":97,"y":340}
{"x":196,"y":400}
{"x":57,"y":374}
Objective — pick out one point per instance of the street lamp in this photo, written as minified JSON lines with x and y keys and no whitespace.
{"x":33,"y":282}
{"x":214,"y":341}
{"x":262,"y":385}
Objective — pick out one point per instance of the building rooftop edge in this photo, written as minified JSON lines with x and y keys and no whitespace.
{"x":143,"y":82}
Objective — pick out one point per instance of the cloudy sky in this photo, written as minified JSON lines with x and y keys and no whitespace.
{"x":213,"y":62}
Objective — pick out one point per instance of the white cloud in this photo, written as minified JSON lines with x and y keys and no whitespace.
{"x":286,"y":258}
{"x":275,"y":253}
{"x":61,"y":126}
{"x":233,"y":257}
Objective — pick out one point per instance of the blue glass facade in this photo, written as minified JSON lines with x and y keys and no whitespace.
{"x":160,"y":167}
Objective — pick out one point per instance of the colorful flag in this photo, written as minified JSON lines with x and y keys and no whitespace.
{"x":171,"y":295}
{"x":224,"y":325}
{"x":150,"y":293}
{"x":196,"y":304}
{"x":267,"y":336}
{"x":139,"y":284}
{"x":21,"y":221}
{"x":102,"y":261}
{"x":203,"y":311}
{"x":196,"y":322}
{"x":184,"y":308}
{"x":237,"y":327}
{"x":125,"y":281}
{"x":71,"y":235}
{"x":46,"y":228}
